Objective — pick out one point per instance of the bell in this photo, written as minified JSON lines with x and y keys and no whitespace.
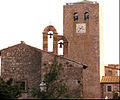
{"x":50,"y":35}
{"x":60,"y":44}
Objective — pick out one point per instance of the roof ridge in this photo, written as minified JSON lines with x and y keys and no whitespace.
{"x":46,"y":52}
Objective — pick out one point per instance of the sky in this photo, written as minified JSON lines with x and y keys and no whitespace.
{"x":25,"y":20}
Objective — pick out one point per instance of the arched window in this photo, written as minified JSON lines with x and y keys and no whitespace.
{"x":86,"y":16}
{"x":50,"y":41}
{"x":75,"y":16}
{"x":60,"y":47}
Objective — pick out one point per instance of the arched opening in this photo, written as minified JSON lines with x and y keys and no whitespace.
{"x":60,"y":47}
{"x":75,"y":16}
{"x":50,"y":41}
{"x":86,"y":16}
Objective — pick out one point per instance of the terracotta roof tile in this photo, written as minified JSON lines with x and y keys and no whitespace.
{"x":113,"y":66}
{"x":110,"y":79}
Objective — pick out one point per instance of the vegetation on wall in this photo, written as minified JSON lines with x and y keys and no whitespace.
{"x":55,"y":87}
{"x":115,"y":95}
{"x":8,"y":90}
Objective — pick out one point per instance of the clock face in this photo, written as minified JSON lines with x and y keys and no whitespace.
{"x":81,"y":28}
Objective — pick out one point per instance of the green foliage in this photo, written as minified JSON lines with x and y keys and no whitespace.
{"x":55,"y":88}
{"x":8,"y":90}
{"x":115,"y":95}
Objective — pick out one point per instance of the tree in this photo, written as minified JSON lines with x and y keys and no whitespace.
{"x":55,"y":87}
{"x":8,"y":90}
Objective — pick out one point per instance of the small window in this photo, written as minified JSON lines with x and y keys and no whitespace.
{"x":109,"y":88}
{"x":75,"y":16}
{"x":86,"y":16}
{"x":109,"y":73}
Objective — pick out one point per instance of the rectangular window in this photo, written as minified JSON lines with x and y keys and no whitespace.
{"x":109,"y":88}
{"x":109,"y":73}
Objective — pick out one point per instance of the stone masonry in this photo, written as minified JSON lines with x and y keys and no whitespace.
{"x":112,"y":70}
{"x":84,"y":47}
{"x":71,"y":73}
{"x":111,"y":81}
{"x":22,"y":63}
{"x":29,"y":64}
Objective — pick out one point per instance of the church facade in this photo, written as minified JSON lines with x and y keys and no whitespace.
{"x":80,"y":44}
{"x":27,"y":65}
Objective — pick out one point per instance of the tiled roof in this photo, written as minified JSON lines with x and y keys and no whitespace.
{"x":110,"y":79}
{"x":113,"y":66}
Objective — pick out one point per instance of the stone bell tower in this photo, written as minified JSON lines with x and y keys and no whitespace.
{"x":81,"y":29}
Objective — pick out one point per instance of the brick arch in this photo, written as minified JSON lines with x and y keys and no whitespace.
{"x":60,"y":37}
{"x":45,"y":38}
{"x":56,"y":38}
{"x":65,"y":44}
{"x":50,"y":28}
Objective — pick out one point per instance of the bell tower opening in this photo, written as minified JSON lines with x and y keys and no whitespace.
{"x":75,"y":16}
{"x":86,"y":16}
{"x":50,"y":41}
{"x":60,"y":47}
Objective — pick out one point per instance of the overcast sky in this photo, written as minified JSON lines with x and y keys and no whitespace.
{"x":24,"y":20}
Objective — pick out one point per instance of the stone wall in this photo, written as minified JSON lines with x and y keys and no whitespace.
{"x":115,"y":88}
{"x":84,"y":47}
{"x":27,"y":64}
{"x":112,"y":70}
{"x":22,"y":63}
{"x":72,"y":73}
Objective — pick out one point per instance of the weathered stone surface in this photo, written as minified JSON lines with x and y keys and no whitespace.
{"x":72,"y":73}
{"x":112,"y":70}
{"x":84,"y":47}
{"x":25,"y":63}
{"x":106,"y":93}
{"x":22,"y":63}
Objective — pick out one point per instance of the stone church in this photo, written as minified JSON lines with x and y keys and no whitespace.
{"x":81,"y":57}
